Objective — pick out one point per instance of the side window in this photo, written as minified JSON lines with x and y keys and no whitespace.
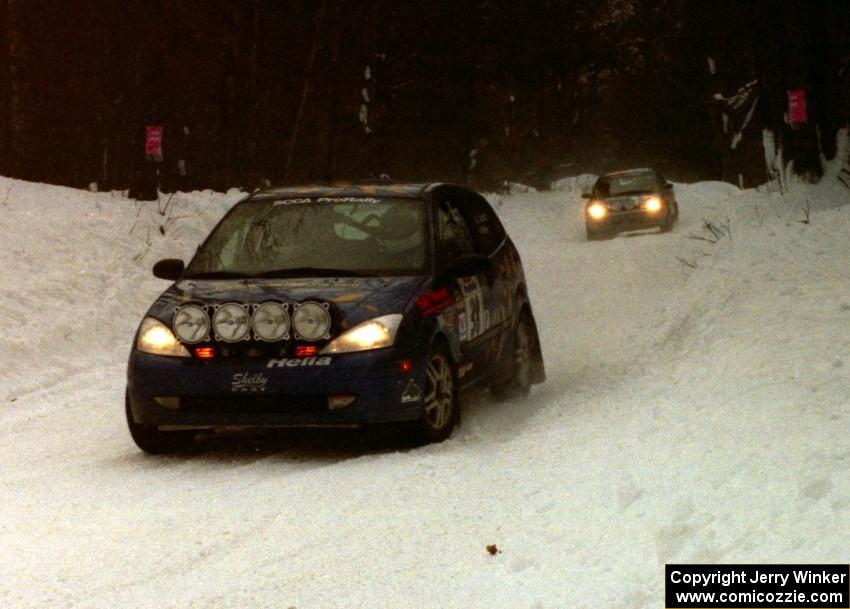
{"x":487,"y":231}
{"x":453,"y":234}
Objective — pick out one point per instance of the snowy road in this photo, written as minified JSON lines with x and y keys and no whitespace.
{"x":691,"y":415}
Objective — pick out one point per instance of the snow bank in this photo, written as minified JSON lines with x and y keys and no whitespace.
{"x":696,"y":411}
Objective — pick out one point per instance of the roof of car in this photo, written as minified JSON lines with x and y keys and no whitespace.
{"x":623,"y":172}
{"x":378,"y":189}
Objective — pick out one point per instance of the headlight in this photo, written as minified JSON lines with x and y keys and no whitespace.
{"x":373,"y":334}
{"x":231,"y":322}
{"x":311,"y":321}
{"x":271,"y":321}
{"x":156,"y":338}
{"x":597,"y":210}
{"x":192,"y":324}
{"x":652,"y":204}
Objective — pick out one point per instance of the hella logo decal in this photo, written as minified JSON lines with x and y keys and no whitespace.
{"x":293,"y":362}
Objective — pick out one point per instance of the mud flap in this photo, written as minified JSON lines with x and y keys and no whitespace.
{"x":538,"y":369}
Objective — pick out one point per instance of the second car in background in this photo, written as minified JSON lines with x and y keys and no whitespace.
{"x":627,"y":200}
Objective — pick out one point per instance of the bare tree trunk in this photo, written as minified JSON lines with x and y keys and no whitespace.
{"x":305,"y":90}
{"x":333,"y":77}
{"x":15,"y":120}
{"x":250,"y":102}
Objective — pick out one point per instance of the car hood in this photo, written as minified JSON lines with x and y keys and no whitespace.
{"x":355,"y":298}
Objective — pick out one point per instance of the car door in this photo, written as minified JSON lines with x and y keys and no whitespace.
{"x":490,"y":240}
{"x":472,"y":292}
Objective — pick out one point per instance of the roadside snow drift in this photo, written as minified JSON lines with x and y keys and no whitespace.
{"x":697,"y":410}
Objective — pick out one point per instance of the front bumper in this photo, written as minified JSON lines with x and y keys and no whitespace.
{"x":625,"y":220}
{"x":183,"y":393}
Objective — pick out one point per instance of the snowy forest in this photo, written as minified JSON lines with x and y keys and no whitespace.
{"x":473,"y":91}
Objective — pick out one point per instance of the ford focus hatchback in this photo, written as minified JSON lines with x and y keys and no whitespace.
{"x":334,"y":307}
{"x":628,"y":200}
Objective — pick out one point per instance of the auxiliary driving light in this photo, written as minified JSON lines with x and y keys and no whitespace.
{"x":597,"y":210}
{"x":271,"y":321}
{"x":311,"y":320}
{"x":191,"y":324}
{"x":231,"y":322}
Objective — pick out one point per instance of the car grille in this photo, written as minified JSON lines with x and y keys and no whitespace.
{"x":253,"y":404}
{"x":633,"y":204}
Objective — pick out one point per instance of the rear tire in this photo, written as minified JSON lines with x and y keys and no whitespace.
{"x":519,"y":384}
{"x":153,"y":441}
{"x":440,"y":410}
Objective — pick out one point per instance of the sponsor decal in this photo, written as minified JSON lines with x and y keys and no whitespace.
{"x":412,"y":393}
{"x":327,"y":200}
{"x":292,"y":202}
{"x":251,"y":382}
{"x":294,"y":362}
{"x":347,"y":200}
{"x":477,"y":318}
{"x":448,"y":319}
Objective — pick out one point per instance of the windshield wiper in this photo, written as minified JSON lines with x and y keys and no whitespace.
{"x":311,"y":271}
{"x":218,"y":275}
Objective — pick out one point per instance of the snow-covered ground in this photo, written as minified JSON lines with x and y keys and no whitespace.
{"x":697,"y":410}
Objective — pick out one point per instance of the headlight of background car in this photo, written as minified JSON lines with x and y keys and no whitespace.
{"x":652,"y":204}
{"x":156,"y":338}
{"x":373,"y":334}
{"x":597,"y":210}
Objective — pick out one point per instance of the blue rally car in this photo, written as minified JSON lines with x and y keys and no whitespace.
{"x":338,"y":307}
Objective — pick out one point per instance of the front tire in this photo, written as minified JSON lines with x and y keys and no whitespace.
{"x":440,"y":403}
{"x":153,"y":441}
{"x":595,"y":234}
{"x":519,"y":383}
{"x":667,"y":226}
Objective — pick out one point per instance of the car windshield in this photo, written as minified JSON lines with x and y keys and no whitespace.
{"x":612,"y":186}
{"x":318,"y":237}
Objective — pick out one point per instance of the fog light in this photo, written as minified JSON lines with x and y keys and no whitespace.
{"x":168,"y":401}
{"x":306,"y":350}
{"x":340,"y":400}
{"x":205,"y":352}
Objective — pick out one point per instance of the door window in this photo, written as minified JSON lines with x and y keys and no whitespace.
{"x":454,"y":237}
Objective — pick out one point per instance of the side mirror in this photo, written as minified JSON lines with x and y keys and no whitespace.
{"x":668,"y":185}
{"x":586,"y":195}
{"x":470,"y":264}
{"x":169,"y":268}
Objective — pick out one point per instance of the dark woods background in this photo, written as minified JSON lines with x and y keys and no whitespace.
{"x":475,"y":91}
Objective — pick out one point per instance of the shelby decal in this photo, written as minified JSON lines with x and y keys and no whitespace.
{"x":292,"y":362}
{"x":248,"y":381}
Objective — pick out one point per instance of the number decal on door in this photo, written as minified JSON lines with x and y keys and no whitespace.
{"x":475,"y":319}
